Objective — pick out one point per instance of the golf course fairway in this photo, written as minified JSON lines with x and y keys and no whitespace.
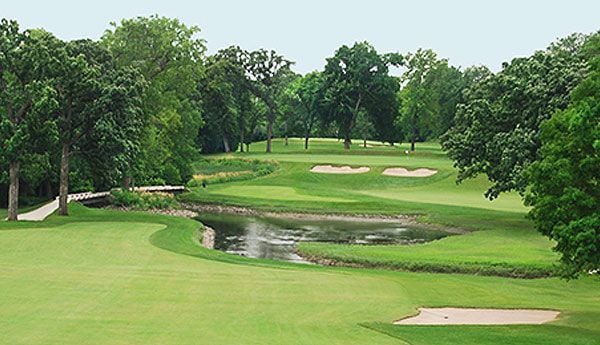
{"x":109,"y":277}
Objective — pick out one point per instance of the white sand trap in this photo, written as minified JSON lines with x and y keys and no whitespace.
{"x":422,"y":172}
{"x":329,"y":169}
{"x":472,"y":316}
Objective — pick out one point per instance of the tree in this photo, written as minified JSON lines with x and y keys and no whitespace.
{"x":304,"y":97}
{"x":356,"y":79}
{"x":364,"y":128}
{"x":266,"y":69}
{"x":496,"y":130}
{"x":221,"y":110}
{"x":97,"y":112}
{"x":24,"y":99}
{"x":449,"y":83}
{"x":420,"y":103}
{"x":565,"y":183}
{"x":169,"y":55}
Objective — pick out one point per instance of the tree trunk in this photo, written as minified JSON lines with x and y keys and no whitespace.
{"x":226,"y":144}
{"x":286,"y":133}
{"x":248,"y":147}
{"x":63,"y":196}
{"x":347,"y":140}
{"x":13,"y":191}
{"x":365,"y":142}
{"x":412,"y":143}
{"x":286,"y":140}
{"x":242,"y":140}
{"x":127,"y":183}
{"x":347,"y":143}
{"x":306,"y":141}
{"x":269,"y":135}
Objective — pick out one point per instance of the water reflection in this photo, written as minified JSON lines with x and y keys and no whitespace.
{"x":276,"y":238}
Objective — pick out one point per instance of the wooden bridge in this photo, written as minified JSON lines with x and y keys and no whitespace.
{"x":44,"y":211}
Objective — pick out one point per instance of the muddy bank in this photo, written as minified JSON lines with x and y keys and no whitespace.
{"x":408,"y":266}
{"x":402,"y":219}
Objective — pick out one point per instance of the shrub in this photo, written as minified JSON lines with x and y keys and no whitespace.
{"x":142,"y":201}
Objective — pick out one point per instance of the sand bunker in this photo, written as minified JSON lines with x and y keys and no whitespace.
{"x":422,"y":172}
{"x":329,"y":169}
{"x":471,"y":316}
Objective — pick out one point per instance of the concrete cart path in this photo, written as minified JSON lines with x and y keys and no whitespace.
{"x":44,"y":211}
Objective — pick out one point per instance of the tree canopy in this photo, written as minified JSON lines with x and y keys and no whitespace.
{"x":565,"y":180}
{"x":496,"y":130}
{"x":357,"y":79}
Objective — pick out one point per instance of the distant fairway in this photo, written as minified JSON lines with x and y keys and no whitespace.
{"x":512,"y":247}
{"x":98,"y":277}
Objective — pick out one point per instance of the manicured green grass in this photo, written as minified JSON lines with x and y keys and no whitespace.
{"x":515,"y":253}
{"x":509,"y":246}
{"x":106,"y":277}
{"x":498,"y":335}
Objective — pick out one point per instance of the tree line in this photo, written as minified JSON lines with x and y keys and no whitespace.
{"x":139,"y":105}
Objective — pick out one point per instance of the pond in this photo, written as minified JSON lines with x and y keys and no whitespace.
{"x":276,"y":238}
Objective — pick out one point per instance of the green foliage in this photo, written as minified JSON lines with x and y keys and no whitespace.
{"x":303,"y":99}
{"x":142,"y":201}
{"x":169,"y":56}
{"x":565,"y":181}
{"x":356,"y":79}
{"x":496,"y":129}
{"x":269,"y":72}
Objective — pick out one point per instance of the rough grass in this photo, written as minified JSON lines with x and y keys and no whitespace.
{"x":107,"y":277}
{"x":220,"y":170}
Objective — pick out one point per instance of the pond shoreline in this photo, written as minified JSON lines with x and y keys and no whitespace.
{"x":402,"y":219}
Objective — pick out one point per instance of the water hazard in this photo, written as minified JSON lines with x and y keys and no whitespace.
{"x":276,"y":238}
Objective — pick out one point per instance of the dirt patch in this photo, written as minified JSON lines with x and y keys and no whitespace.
{"x":330,"y":169}
{"x":422,"y":172}
{"x":473,"y":316}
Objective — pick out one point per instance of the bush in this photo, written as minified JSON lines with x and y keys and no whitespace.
{"x":142,"y":201}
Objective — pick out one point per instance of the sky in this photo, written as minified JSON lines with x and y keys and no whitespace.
{"x":466,"y":32}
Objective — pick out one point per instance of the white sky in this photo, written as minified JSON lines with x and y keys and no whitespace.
{"x":467,"y":32}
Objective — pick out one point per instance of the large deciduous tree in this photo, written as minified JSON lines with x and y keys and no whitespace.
{"x":169,"y":55}
{"x":420,"y":106}
{"x":565,"y":180}
{"x":98,"y":111}
{"x":304,"y":98}
{"x":496,"y":130}
{"x":267,"y":69}
{"x":24,"y":99}
{"x":356,"y":79}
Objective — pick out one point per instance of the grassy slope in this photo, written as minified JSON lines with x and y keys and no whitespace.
{"x":509,"y":244}
{"x":97,"y":278}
